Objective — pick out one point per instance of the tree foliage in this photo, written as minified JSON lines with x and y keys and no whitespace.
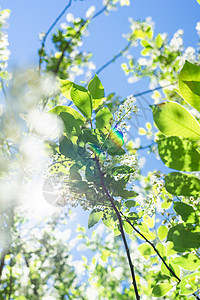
{"x":147,"y":236}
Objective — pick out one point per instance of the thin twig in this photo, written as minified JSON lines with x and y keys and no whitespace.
{"x":121,"y":229}
{"x":77,"y":35}
{"x":152,"y":245}
{"x":157,"y":252}
{"x":114,"y":58}
{"x":51,"y":27}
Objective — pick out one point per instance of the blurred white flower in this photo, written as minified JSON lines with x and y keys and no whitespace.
{"x":44,"y":124}
{"x":70,"y":18}
{"x":90,"y":12}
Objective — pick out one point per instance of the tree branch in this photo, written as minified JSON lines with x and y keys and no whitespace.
{"x":157,"y":252}
{"x":77,"y":35}
{"x":50,"y":28}
{"x":121,"y":229}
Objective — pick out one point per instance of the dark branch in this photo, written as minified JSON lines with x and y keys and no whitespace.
{"x":51,"y":27}
{"x":121,"y":229}
{"x":157,"y":252}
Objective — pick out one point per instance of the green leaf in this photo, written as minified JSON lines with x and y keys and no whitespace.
{"x":74,"y":174}
{"x":162,"y":232}
{"x":129,"y":203}
{"x":94,"y":217}
{"x":89,"y":136}
{"x":66,"y":148}
{"x":146,"y":250}
{"x":103,"y":118}
{"x":122,"y":170}
{"x":61,"y":108}
{"x":189,"y":84}
{"x":182,"y":184}
{"x":127,"y":194}
{"x":178,"y":154}
{"x":187,"y":261}
{"x":161,"y":289}
{"x":115,"y":151}
{"x":174,"y":268}
{"x":66,"y":86}
{"x":173,"y":119}
{"x":127,"y":227}
{"x":183,"y":238}
{"x":82,"y":99}
{"x":71,"y":125}
{"x":96,"y":88}
{"x":198,"y":1}
{"x":190,"y":284}
{"x":187,"y":212}
{"x":159,"y":41}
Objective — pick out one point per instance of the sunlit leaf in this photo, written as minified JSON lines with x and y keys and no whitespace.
{"x":146,"y":250}
{"x":178,"y":154}
{"x":162,"y":232}
{"x":82,"y":99}
{"x":187,"y":261}
{"x":103,"y":118}
{"x":187,"y":212}
{"x":190,"y":283}
{"x":173,"y":267}
{"x":189,"y":84}
{"x":183,"y":238}
{"x":173,"y":119}
{"x":61,"y":108}
{"x":96,"y":88}
{"x":159,"y":41}
{"x":150,"y":221}
{"x":182,"y":184}
{"x":161,"y":289}
{"x":94,"y":217}
{"x":66,"y":86}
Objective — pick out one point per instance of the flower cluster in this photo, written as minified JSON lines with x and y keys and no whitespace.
{"x":124,"y":112}
{"x":4,"y":52}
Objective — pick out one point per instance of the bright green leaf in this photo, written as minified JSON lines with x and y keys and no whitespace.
{"x":82,"y":99}
{"x":182,"y":184}
{"x":189,"y":84}
{"x":187,"y":261}
{"x":103,"y":118}
{"x":162,"y":232}
{"x":159,"y":41}
{"x":146,"y":250}
{"x":94,"y":217}
{"x":178,"y":154}
{"x":190,"y":283}
{"x":96,"y":88}
{"x":173,"y":119}
{"x":173,"y":267}
{"x":66,"y":86}
{"x":161,"y":289}
{"x":61,"y":108}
